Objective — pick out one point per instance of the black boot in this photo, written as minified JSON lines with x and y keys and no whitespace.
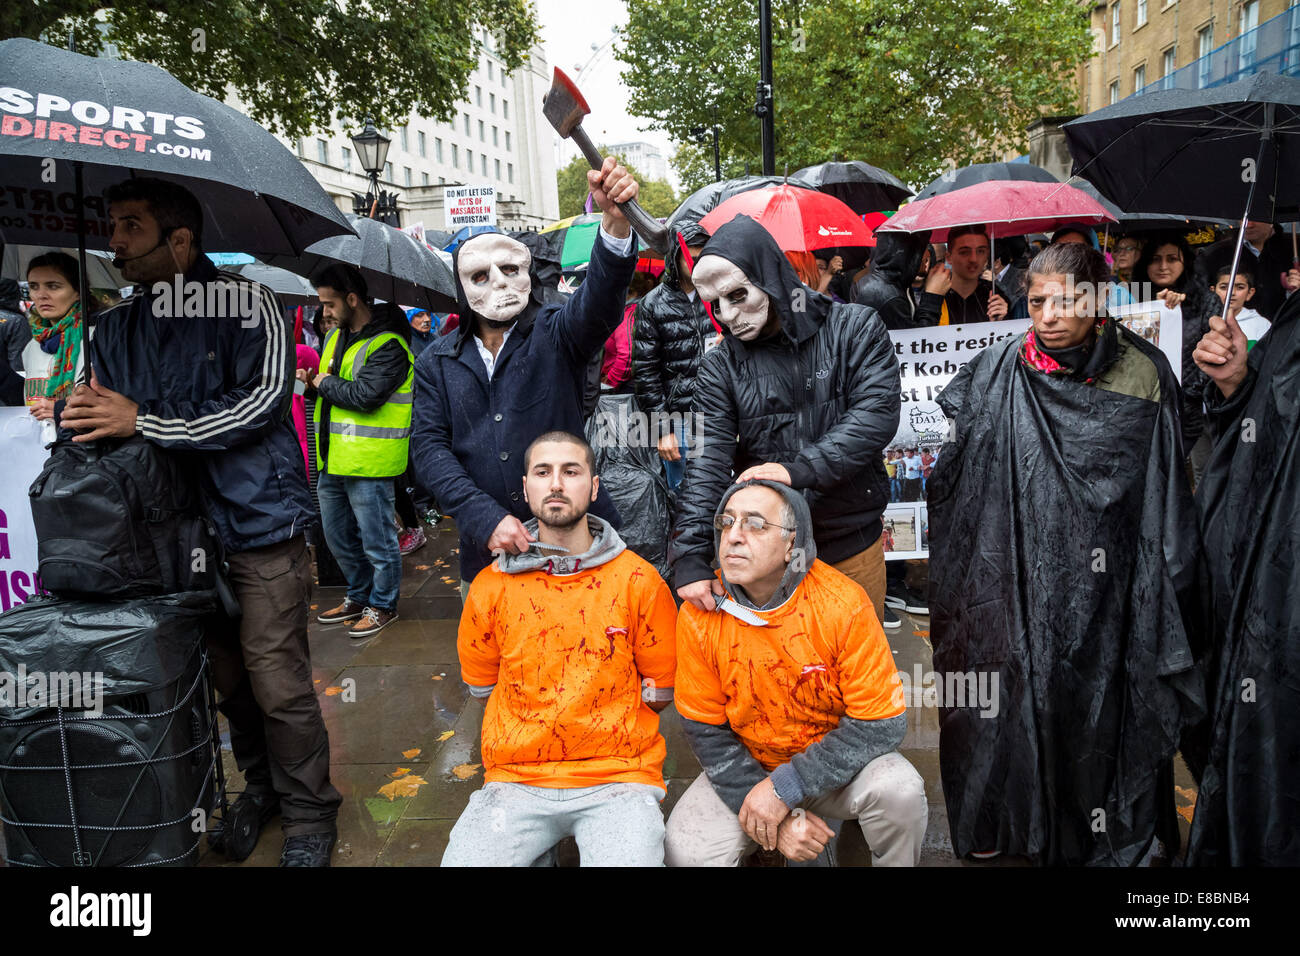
{"x":308,"y":849}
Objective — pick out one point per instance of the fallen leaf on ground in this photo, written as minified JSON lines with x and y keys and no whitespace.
{"x":408,"y":786}
{"x":314,"y":606}
{"x":446,"y":735}
{"x":400,"y":772}
{"x":1187,"y":793}
{"x":412,"y":753}
{"x":918,"y":633}
{"x":422,"y":567}
{"x":466,"y":770}
{"x":436,"y":677}
{"x":316,"y":681}
{"x":1186,"y":813}
{"x":333,"y":691}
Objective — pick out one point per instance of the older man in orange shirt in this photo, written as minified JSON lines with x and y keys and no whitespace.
{"x":572,"y":643}
{"x":791,"y":701}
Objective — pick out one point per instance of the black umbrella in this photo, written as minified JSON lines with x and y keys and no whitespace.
{"x":860,"y":186}
{"x":292,"y":288}
{"x":1133,"y":222}
{"x":1198,"y":152}
{"x":985,"y":172}
{"x":396,"y":267}
{"x":702,"y":202}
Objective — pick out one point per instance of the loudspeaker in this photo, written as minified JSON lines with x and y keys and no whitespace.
{"x":131,"y":779}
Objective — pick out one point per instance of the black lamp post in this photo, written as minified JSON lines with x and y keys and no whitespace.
{"x":372,"y":151}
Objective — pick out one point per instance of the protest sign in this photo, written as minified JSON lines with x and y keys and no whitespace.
{"x":470,"y":206}
{"x":1159,"y":325}
{"x":928,"y":358}
{"x":24,"y":454}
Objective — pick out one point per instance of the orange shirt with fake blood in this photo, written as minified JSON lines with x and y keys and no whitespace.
{"x":568,"y":655}
{"x":783,"y":687}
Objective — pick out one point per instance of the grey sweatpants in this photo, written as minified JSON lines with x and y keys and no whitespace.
{"x":512,"y":824}
{"x":887,"y":798}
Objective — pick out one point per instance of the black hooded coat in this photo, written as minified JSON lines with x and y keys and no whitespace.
{"x":469,"y":432}
{"x":1248,"y":806}
{"x":1067,"y":565}
{"x":821,"y":396}
{"x":887,"y":288}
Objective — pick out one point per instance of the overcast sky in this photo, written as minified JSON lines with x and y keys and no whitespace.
{"x":570,"y":30}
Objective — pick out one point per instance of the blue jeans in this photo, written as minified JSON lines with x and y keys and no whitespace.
{"x":675,"y":471}
{"x":895,"y":489}
{"x":357,"y":516}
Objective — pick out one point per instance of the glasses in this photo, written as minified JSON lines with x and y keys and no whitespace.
{"x":1126,"y":248}
{"x":755,"y":523}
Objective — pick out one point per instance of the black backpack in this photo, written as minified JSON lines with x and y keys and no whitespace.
{"x":121,"y":518}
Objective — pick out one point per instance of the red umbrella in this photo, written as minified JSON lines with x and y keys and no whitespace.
{"x":800,"y":220}
{"x":1008,"y":208}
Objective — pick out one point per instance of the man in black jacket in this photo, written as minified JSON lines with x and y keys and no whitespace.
{"x":670,"y":333}
{"x":217,"y":388}
{"x":802,"y":391}
{"x":1265,"y":252}
{"x":363,"y":427}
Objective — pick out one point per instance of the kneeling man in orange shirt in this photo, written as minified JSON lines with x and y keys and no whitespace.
{"x":572,"y":643}
{"x":791,"y":701}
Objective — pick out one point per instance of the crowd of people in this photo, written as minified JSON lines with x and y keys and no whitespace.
{"x":1069,"y":560}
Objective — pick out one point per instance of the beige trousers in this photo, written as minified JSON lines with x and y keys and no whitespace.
{"x":867,"y":568}
{"x":887,"y":798}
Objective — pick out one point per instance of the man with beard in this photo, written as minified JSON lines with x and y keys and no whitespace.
{"x":572,"y":643}
{"x":514,"y":369}
{"x":791,"y":702}
{"x":802,"y":391}
{"x":1248,"y":808}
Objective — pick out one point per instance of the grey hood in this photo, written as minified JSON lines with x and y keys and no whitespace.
{"x":606,"y":546}
{"x":805,"y":547}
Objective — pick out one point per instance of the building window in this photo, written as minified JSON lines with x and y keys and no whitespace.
{"x":1114,"y":91}
{"x":347,"y":159}
{"x":424,"y":179}
{"x":1170,"y":56}
{"x":405,"y":148}
{"x":478,"y":95}
{"x":388,"y":173}
{"x":1204,"y":46}
{"x":1114,"y":24}
{"x":495,"y":142}
{"x":482,"y":137}
{"x":1139,"y":78}
{"x":1247,"y":23}
{"x":482,"y":163}
{"x":442,"y":180}
{"x":490,"y":70}
{"x":508,"y":141}
{"x":503,"y":79}
{"x":465,"y":116}
{"x":419,"y":137}
{"x":437,"y":148}
{"x":498,"y":168}
{"x":1141,"y":13}
{"x":455,"y":155}
{"x":406,"y":175}
{"x":469,"y":160}
{"x":492,"y":102}
{"x":510,"y":172}
{"x":323,"y":151}
{"x":505,"y":108}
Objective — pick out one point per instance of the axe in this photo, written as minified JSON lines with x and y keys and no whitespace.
{"x":565,"y":108}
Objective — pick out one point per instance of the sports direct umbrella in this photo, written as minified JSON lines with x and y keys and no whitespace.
{"x":396,"y":267}
{"x":800,"y":220}
{"x":860,"y":186}
{"x":1006,"y":208}
{"x":705,"y":199}
{"x":63,"y":115}
{"x":985,"y":173}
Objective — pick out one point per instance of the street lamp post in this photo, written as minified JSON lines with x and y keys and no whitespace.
{"x":372,"y":151}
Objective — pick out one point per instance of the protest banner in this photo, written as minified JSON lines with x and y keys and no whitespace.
{"x":1159,"y":325}
{"x":470,"y":206}
{"x":928,"y":358}
{"x":24,"y":454}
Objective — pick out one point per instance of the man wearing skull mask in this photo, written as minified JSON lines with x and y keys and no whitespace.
{"x":803,"y":391}
{"x":514,"y":370}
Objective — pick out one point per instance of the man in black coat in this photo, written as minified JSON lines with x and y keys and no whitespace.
{"x":514,"y":370}
{"x":802,"y":391}
{"x":670,"y":332}
{"x":1266,"y":253}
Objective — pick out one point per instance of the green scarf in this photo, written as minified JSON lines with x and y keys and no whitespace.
{"x":63,"y":372}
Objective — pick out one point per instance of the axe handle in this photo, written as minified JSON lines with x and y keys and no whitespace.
{"x":651,"y":231}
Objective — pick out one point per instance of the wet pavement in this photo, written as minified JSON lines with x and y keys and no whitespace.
{"x":404,"y":732}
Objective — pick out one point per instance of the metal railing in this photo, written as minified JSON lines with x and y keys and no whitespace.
{"x":1272,"y":47}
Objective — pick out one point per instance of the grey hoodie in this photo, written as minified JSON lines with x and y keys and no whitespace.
{"x":825,"y":766}
{"x":606,"y":545}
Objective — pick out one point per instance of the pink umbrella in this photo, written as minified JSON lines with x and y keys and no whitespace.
{"x":800,"y":220}
{"x":1008,"y":208}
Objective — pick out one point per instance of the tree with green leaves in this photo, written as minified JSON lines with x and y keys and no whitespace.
{"x":297,"y":63}
{"x":656,"y":196}
{"x":902,"y":84}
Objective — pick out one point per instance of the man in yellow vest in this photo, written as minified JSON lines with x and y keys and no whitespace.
{"x":363,"y":426}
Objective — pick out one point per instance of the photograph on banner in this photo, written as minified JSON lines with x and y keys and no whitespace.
{"x":470,"y":206}
{"x":24,"y":454}
{"x":907,"y":529}
{"x":1159,"y":325}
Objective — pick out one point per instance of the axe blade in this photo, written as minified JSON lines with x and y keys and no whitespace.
{"x":564,"y":104}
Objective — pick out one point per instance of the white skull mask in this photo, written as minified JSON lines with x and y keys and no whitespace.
{"x":493,"y":271}
{"x":741,"y":306}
